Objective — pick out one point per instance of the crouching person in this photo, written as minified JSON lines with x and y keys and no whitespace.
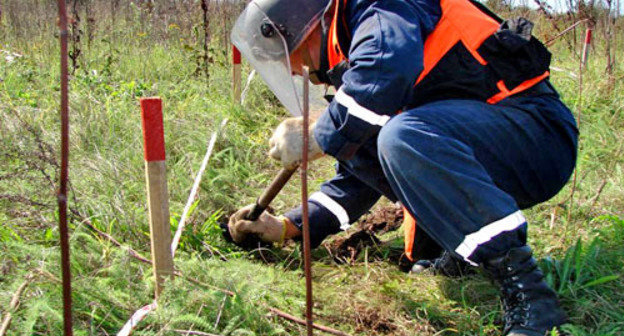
{"x":440,"y":105}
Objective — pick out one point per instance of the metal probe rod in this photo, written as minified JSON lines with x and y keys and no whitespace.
{"x":62,"y":192}
{"x":304,"y":202}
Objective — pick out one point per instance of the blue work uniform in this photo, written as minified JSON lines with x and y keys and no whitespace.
{"x":463,"y":165}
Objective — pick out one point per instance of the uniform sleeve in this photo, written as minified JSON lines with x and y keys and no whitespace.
{"x":385,"y":59}
{"x":340,"y":202}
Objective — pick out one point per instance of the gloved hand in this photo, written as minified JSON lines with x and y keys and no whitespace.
{"x":287,"y":143}
{"x":268,"y":228}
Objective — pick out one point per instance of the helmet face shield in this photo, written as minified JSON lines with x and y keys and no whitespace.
{"x":265,"y":48}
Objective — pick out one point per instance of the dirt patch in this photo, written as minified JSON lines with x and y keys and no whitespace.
{"x":346,"y":250}
{"x":382,"y":220}
{"x":370,"y":319}
{"x":366,"y":319}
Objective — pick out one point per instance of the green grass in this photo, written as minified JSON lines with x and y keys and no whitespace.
{"x":583,"y":256}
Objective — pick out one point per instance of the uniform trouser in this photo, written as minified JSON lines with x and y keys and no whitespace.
{"x":465,"y":169}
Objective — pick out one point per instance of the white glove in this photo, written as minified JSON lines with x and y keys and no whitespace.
{"x":287,"y":143}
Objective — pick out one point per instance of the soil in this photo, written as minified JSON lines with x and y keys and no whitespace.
{"x":366,"y":319}
{"x":369,"y":318}
{"x":382,"y":220}
{"x":347,"y":249}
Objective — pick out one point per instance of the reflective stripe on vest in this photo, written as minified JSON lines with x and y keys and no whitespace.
{"x":461,"y":23}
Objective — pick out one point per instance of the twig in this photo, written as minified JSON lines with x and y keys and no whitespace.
{"x":553,"y":217}
{"x":47,"y":275}
{"x":594,"y":200}
{"x":15,"y":301}
{"x":198,"y":313}
{"x":555,"y":212}
{"x":553,"y":40}
{"x":220,"y":312}
{"x":199,"y":283}
{"x":46,"y":151}
{"x":212,"y":251}
{"x":110,"y":238}
{"x":76,"y":33}
{"x":206,"y":55}
{"x":303,"y":322}
{"x":22,"y":199}
{"x":259,"y":250}
{"x":192,"y":332}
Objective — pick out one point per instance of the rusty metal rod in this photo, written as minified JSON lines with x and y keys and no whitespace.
{"x":62,"y":191}
{"x":304,"y":202}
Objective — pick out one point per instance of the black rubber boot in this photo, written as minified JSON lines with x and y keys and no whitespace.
{"x":531,"y":307}
{"x":446,"y":265}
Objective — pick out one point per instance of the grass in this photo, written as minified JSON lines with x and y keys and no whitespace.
{"x":583,"y":257}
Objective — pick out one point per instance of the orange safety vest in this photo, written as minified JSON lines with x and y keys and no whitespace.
{"x":464,"y":28}
{"x":463,"y":25}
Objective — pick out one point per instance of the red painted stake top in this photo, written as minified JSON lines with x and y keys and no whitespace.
{"x":153,"y":130}
{"x":588,"y":36}
{"x":236,"y":55}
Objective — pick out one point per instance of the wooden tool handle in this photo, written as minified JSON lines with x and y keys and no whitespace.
{"x":270,"y":192}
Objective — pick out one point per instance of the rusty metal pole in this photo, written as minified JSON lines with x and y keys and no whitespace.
{"x":62,"y":192}
{"x":307,"y":260}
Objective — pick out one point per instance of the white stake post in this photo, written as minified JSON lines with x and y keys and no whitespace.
{"x":236,"y":74}
{"x":157,"y":194}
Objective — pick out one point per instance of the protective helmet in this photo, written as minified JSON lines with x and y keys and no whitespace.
{"x":267,"y":31}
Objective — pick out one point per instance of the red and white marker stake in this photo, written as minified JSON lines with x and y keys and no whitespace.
{"x":236,"y":74}
{"x":586,"y":46}
{"x":158,"y":197}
